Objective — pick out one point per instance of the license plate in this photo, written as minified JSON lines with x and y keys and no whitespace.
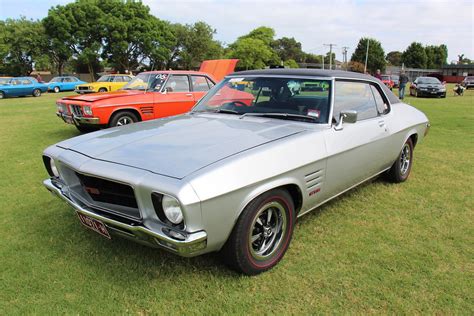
{"x":94,"y":224}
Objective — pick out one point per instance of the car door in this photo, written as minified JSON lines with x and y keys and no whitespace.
{"x":27,"y":87}
{"x":200,"y":85}
{"x":68,"y":83}
{"x":358,"y":150}
{"x":175,"y":97}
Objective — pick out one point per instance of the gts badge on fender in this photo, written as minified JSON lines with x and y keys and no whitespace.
{"x":314,"y":191}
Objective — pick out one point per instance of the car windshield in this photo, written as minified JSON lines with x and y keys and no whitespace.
{"x":385,"y":77}
{"x":470,"y":78}
{"x":146,"y":81}
{"x":282,"y":98}
{"x":428,"y":80}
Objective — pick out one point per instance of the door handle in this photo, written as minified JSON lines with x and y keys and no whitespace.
{"x":381,"y":123}
{"x":189,"y":94}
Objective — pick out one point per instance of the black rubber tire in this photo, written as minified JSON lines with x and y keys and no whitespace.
{"x":56,"y":89}
{"x":86,"y":128}
{"x":36,"y":93}
{"x":395,"y":174}
{"x":103,"y":90}
{"x":236,"y":252}
{"x":2,"y":95}
{"x":114,"y":120}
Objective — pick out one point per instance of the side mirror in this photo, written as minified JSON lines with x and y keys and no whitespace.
{"x":348,"y":116}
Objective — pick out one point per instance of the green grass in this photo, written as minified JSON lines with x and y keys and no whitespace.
{"x":381,"y":248}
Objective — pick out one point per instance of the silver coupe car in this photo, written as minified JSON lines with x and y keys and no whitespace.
{"x":235,"y":173}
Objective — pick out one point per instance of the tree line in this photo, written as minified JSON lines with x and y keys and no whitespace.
{"x":87,"y":35}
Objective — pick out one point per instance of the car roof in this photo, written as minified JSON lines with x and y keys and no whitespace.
{"x":305,"y":72}
{"x":183,"y":72}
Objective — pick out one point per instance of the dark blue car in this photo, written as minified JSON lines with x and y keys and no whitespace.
{"x":64,"y":83}
{"x":21,"y":86}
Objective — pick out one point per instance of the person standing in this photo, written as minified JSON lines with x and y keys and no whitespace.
{"x":403,"y":80}
{"x":378,"y":75}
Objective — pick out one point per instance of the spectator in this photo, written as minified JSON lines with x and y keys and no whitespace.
{"x":38,"y":78}
{"x":378,"y":75}
{"x":403,"y":80}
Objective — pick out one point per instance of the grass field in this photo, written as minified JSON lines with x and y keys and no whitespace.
{"x":381,"y":248}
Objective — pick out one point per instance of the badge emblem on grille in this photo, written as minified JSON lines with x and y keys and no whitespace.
{"x":90,"y":190}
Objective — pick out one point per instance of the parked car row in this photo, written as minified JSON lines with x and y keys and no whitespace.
{"x":259,"y":149}
{"x":23,"y":86}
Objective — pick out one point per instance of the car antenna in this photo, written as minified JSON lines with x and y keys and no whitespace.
{"x":148,"y":83}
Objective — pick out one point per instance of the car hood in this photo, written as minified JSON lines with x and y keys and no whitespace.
{"x":103,"y":96}
{"x":181,"y":145}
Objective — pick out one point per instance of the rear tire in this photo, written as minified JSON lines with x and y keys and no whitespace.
{"x":36,"y":92}
{"x":262,"y":233}
{"x":123,"y":118}
{"x":401,"y":168}
{"x":56,"y":89}
{"x":2,"y":95}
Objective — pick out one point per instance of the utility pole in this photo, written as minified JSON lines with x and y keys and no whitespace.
{"x":366,"y":55}
{"x":323,"y":61}
{"x":330,"y":54}
{"x":344,"y":55}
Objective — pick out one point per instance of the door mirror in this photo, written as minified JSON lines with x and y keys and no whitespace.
{"x":347,"y":116}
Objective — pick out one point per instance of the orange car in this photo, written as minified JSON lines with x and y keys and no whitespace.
{"x":150,"y":95}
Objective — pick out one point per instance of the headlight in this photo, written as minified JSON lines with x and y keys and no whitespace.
{"x":54,"y":170}
{"x":172,"y":209}
{"x":91,"y":88}
{"x":87,"y":110}
{"x":442,"y":89}
{"x":61,"y":107}
{"x":423,"y":89}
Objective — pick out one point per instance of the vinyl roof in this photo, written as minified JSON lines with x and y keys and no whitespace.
{"x":304,"y":72}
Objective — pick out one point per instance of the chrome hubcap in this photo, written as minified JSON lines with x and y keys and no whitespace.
{"x":268,"y":230}
{"x":405,"y":159}
{"x":124,"y":121}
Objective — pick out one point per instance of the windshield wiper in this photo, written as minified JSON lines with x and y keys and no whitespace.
{"x":283,"y":116}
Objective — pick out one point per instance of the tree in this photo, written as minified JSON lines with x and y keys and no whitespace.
{"x":290,"y":63}
{"x":312,"y":58}
{"x":415,"y":56}
{"x":376,"y":55}
{"x":327,"y":61}
{"x":80,"y":26}
{"x":288,"y":48}
{"x":356,"y":66}
{"x":253,"y":53}
{"x":394,"y":58}
{"x":131,"y":34}
{"x":436,"y":56}
{"x":20,"y":44}
{"x":263,"y":33}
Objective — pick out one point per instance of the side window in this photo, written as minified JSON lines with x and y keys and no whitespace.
{"x":126,"y":78}
{"x":118,"y":78}
{"x":210,"y":83}
{"x":26,"y":81}
{"x":382,"y":106}
{"x":178,"y":83}
{"x":200,"y":83}
{"x":356,"y":96}
{"x":67,"y":79}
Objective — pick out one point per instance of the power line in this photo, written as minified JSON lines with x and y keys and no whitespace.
{"x":330,"y":53}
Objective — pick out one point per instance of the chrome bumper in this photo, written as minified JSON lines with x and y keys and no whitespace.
{"x":191,"y":245}
{"x":84,"y":91}
{"x":71,"y":119}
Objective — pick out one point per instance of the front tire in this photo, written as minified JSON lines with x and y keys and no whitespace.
{"x":401,"y":168}
{"x":2,"y":95}
{"x":102,"y":90}
{"x":262,"y":233}
{"x":123,"y":118}
{"x":37,"y":93}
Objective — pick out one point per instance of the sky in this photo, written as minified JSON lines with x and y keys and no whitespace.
{"x":314,"y":23}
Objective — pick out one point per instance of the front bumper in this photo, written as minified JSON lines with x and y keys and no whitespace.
{"x":428,"y":93}
{"x":84,"y":91}
{"x":76,"y":120}
{"x":191,"y":245}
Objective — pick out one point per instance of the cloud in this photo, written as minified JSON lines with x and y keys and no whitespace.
{"x":343,"y":22}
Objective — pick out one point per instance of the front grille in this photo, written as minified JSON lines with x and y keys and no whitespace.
{"x":76,"y":110}
{"x":108,"y":195}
